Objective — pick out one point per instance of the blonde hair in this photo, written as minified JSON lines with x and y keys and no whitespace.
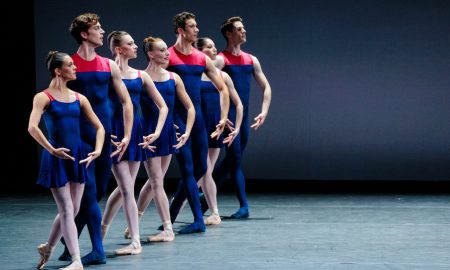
{"x":148,"y":45}
{"x":115,"y":40}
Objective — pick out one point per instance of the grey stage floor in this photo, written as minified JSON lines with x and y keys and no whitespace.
{"x":285,"y":231}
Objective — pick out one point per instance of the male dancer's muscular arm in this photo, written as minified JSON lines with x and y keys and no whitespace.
{"x":267,"y":93}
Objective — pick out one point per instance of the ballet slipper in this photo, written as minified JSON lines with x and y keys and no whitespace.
{"x":241,"y":213}
{"x":213,"y":219}
{"x":195,"y":227}
{"x":45,"y":254}
{"x":75,"y":265}
{"x":132,"y":249}
{"x":164,"y":236}
{"x":93,"y":258}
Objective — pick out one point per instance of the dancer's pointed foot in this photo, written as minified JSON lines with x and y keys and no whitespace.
{"x":241,"y":213}
{"x":93,"y":258}
{"x":213,"y":219}
{"x":45,"y":251}
{"x":196,"y":227}
{"x":164,"y":236}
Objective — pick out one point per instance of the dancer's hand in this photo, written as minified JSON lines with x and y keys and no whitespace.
{"x":91,"y":156}
{"x":121,"y":147}
{"x":219,"y":129}
{"x":62,"y":153}
{"x":181,"y":140}
{"x":113,"y":140}
{"x":231,"y":136}
{"x":229,"y":125}
{"x":115,"y":144}
{"x":148,"y":140}
{"x":177,"y":134}
{"x":259,"y":120}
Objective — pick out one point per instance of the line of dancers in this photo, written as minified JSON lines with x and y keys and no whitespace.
{"x":104,"y":116}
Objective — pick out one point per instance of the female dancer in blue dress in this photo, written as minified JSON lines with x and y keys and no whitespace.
{"x":125,"y":171}
{"x":62,"y":168}
{"x":172,"y":89}
{"x":211,"y":115}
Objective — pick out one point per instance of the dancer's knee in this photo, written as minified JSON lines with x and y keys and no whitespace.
{"x":67,"y":211}
{"x":157,"y":183}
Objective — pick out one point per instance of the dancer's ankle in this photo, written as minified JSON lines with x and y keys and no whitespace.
{"x":136,"y":241}
{"x":167,"y":225}
{"x":76,"y":257}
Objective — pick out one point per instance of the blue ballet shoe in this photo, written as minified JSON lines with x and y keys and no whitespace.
{"x":65,"y":256}
{"x":196,"y":227}
{"x":93,"y":258}
{"x":241,"y":213}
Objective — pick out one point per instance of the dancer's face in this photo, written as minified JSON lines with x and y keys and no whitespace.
{"x":238,"y":35}
{"x":94,"y":35}
{"x":159,"y":53}
{"x":210,"y":49}
{"x":190,"y":31}
{"x":68,"y":70}
{"x":128,"y":48}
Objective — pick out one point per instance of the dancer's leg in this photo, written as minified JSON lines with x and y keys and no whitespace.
{"x":115,"y":201}
{"x":156,"y":177}
{"x":209,"y":188}
{"x":99,"y":173}
{"x":236,"y":170}
{"x":90,"y":215}
{"x":187,"y":186}
{"x":67,"y":199}
{"x":125,"y":183}
{"x":112,"y":207}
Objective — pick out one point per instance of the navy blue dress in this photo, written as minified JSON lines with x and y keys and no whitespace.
{"x":134,"y":152}
{"x":211,"y":112}
{"x":150,"y":113}
{"x":62,"y":120}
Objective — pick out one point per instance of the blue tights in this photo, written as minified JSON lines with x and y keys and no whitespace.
{"x":192,"y":163}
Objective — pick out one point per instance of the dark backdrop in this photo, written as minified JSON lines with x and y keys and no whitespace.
{"x":360,"y":88}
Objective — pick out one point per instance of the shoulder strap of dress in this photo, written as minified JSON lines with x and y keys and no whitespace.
{"x":48,"y":95}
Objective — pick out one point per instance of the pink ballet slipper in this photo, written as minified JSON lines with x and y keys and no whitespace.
{"x":164,"y":236}
{"x":45,"y":254}
{"x":213,"y":220}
